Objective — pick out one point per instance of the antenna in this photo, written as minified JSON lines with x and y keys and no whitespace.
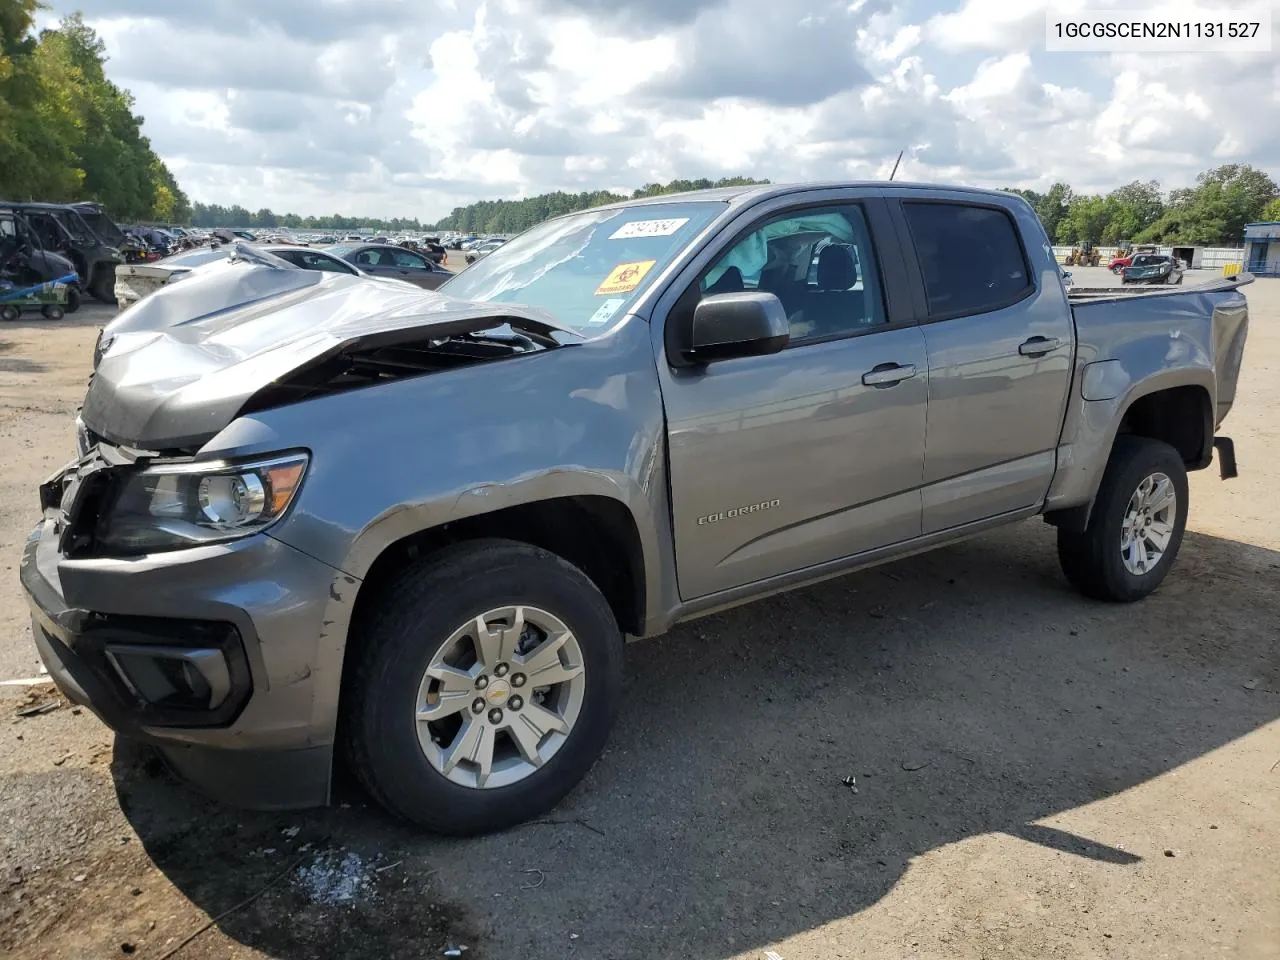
{"x":896,"y":162}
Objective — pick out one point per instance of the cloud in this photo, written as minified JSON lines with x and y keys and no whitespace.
{"x":390,"y":107}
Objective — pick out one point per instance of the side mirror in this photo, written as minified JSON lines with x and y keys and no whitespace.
{"x":747,"y":324}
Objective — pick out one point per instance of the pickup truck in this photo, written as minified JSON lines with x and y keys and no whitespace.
{"x":317,"y":516}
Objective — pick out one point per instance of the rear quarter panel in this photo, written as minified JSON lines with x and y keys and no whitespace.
{"x":1132,"y":346}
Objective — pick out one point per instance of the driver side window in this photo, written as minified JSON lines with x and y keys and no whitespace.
{"x":410,"y":261}
{"x":818,"y":262}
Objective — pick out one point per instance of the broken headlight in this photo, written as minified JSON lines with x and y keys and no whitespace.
{"x":171,"y":506}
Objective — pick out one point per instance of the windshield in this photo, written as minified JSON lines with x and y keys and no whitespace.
{"x":585,"y":269}
{"x":74,"y":226}
{"x":1147,"y":261}
{"x":104,"y":227}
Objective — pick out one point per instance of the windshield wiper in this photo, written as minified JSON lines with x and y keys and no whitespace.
{"x":540,"y":332}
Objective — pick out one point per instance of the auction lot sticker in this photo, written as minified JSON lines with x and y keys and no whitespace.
{"x":648,"y":228}
{"x":625,"y":277}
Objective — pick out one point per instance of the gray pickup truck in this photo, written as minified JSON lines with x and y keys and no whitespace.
{"x":316,"y":514}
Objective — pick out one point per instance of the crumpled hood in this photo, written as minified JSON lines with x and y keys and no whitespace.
{"x":180,"y":365}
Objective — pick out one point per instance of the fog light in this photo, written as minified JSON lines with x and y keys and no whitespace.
{"x":173,"y":677}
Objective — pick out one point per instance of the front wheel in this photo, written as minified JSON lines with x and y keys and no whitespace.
{"x":103,"y":286}
{"x":73,"y":298}
{"x":1136,"y":526}
{"x":9,"y":313}
{"x":484,"y":688}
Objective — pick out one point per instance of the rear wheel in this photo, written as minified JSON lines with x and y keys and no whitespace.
{"x":73,"y":298}
{"x":52,"y":312}
{"x":485,"y":687}
{"x":1136,"y":526}
{"x":9,"y":313}
{"x":103,"y":285}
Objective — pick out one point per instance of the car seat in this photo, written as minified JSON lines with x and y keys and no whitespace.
{"x":833,"y":307}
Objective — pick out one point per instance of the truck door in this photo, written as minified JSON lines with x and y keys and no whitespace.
{"x":815,"y":453}
{"x":1000,"y":344}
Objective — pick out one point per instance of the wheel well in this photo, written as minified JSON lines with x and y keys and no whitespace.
{"x":596,"y":534}
{"x":1180,"y":416}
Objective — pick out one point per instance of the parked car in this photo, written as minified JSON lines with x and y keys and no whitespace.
{"x":1120,"y":261}
{"x":135,"y":281}
{"x":62,"y":230}
{"x":328,"y":514}
{"x":386,"y":260}
{"x":1152,"y":268}
{"x":482,"y":250}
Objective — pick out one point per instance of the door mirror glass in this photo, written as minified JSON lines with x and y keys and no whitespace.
{"x":745,"y":324}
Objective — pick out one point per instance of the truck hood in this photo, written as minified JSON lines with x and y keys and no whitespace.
{"x":181,"y":364}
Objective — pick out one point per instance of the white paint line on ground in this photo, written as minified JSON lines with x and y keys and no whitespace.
{"x":26,"y":682}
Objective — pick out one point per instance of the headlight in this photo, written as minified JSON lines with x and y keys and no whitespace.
{"x":184,"y":505}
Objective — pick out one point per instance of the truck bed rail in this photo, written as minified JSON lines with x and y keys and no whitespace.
{"x":1217,"y":285}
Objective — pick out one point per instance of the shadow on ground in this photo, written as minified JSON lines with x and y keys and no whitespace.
{"x":967,"y":691}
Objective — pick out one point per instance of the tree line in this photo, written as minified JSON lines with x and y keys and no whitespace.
{"x":67,"y":132}
{"x":513,"y":216}
{"x":216,"y":215}
{"x":1212,"y":213}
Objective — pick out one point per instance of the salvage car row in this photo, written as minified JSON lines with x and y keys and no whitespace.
{"x":135,"y":281}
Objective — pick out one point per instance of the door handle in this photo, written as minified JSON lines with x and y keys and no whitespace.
{"x":887,"y":374}
{"x":1039,"y":346}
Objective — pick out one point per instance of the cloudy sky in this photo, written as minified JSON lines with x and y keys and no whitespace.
{"x":411,"y":107}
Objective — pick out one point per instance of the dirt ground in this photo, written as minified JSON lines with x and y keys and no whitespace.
{"x":1037,"y":775}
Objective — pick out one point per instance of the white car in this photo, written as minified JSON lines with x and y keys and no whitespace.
{"x":135,"y":280}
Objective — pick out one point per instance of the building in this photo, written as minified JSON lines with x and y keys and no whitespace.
{"x":1262,"y":248}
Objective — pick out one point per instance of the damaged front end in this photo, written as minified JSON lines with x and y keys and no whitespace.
{"x":250,"y":335}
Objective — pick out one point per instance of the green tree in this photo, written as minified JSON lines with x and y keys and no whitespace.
{"x":35,"y":127}
{"x":1132,"y":209}
{"x":1216,"y":209}
{"x":66,"y":132}
{"x":1271,"y":212}
{"x":1085,"y":220}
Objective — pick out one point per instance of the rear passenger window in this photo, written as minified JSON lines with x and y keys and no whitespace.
{"x":818,"y":262}
{"x":971,"y":257}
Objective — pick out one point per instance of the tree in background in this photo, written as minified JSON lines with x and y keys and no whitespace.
{"x":1216,"y":208}
{"x":513,"y":216}
{"x":1131,"y":209}
{"x":1085,"y":220}
{"x":35,"y":134}
{"x":66,"y":131}
{"x":1211,"y":213}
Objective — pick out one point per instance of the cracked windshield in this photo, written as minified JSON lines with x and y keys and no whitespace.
{"x":585,"y":269}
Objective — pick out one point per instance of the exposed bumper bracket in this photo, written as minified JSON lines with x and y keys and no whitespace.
{"x":1226,"y":450}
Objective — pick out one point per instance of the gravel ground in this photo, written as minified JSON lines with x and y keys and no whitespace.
{"x":1037,"y":775}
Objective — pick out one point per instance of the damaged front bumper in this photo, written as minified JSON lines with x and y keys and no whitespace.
{"x":210,"y":653}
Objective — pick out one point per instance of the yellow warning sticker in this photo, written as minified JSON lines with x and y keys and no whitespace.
{"x":625,"y":277}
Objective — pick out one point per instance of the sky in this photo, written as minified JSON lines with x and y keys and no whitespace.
{"x":412,"y":107}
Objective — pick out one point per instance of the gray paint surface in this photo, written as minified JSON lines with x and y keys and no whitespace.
{"x":980,"y":436}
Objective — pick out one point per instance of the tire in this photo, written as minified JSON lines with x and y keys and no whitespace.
{"x":418,"y":613}
{"x":73,"y":298}
{"x":103,"y":286}
{"x":52,"y":312}
{"x":10,"y":313}
{"x":1092,"y":559}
